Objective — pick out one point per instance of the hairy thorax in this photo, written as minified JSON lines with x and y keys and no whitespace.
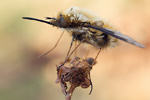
{"x":74,"y":21}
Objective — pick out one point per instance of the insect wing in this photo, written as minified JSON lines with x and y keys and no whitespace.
{"x":118,"y":35}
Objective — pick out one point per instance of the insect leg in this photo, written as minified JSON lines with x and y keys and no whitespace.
{"x":70,"y":47}
{"x":96,"y":56}
{"x":70,"y":54}
{"x":75,"y":53}
{"x":73,"y":50}
{"x":52,"y":48}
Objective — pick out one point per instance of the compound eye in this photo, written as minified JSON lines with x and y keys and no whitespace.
{"x":62,"y":21}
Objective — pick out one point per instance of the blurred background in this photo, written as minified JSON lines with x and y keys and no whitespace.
{"x":122,"y":73}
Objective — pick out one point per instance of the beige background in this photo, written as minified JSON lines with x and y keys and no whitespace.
{"x":122,"y":73}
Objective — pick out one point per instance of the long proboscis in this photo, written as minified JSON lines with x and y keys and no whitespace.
{"x":39,"y":20}
{"x":115,"y":34}
{"x":118,"y":35}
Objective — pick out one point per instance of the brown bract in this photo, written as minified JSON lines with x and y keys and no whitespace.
{"x":77,"y":73}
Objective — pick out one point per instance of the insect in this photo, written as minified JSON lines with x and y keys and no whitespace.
{"x":87,"y":28}
{"x":76,"y":73}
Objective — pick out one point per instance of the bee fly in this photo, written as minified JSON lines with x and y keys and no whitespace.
{"x":87,"y":28}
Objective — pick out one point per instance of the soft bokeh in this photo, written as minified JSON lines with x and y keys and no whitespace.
{"x":122,"y":73}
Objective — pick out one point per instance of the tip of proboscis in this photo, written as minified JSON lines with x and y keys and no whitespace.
{"x":29,"y":18}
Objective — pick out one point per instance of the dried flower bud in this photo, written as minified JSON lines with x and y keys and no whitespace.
{"x":76,"y":74}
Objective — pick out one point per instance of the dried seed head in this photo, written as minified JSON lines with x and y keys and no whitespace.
{"x":76,"y":74}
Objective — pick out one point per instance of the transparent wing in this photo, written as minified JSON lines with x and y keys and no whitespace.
{"x":118,"y":35}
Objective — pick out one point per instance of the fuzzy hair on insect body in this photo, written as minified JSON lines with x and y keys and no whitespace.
{"x":87,"y":28}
